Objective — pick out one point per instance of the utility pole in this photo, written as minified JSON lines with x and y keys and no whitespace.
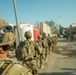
{"x":16,"y":17}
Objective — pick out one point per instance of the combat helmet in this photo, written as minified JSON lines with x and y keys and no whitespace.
{"x":28,"y":34}
{"x":6,"y":33}
{"x":44,"y":34}
{"x":39,"y":36}
{"x":48,"y":34}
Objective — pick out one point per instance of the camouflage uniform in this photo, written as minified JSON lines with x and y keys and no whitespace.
{"x":30,"y":57}
{"x":7,"y":38}
{"x":44,"y":38}
{"x":49,"y":43}
{"x":8,"y":67}
{"x":42,"y":46}
{"x":56,"y":38}
{"x":54,"y":41}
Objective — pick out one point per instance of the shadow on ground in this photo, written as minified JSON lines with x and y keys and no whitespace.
{"x":70,"y":71}
{"x":64,"y":40}
{"x":65,"y":50}
{"x":73,"y":69}
{"x":57,"y":73}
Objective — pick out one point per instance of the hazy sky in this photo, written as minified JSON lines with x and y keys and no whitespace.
{"x":31,"y":11}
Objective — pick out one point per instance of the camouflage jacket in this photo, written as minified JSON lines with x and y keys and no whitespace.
{"x":27,"y":50}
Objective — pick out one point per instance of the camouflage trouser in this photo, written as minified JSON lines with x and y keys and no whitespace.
{"x":46,"y":53}
{"x":41,"y":60}
{"x":49,"y":49}
{"x":43,"y":53}
{"x":53,"y":45}
{"x":32,"y":66}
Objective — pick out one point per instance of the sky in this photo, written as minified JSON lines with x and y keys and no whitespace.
{"x":62,"y":12}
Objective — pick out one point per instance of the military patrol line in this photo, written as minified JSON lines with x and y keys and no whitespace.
{"x":31,"y":54}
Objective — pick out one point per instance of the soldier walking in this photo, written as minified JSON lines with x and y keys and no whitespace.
{"x":44,"y":38}
{"x":28,"y":51}
{"x":42,"y":46}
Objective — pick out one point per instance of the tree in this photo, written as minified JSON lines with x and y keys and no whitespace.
{"x":50,"y":23}
{"x":60,"y":29}
{"x":54,"y":29}
{"x":37,"y":24}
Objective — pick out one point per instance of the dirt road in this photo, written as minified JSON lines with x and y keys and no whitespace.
{"x":62,"y":61}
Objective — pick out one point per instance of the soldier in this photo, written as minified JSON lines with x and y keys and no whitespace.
{"x":49,"y":43}
{"x":8,"y":67}
{"x":42,"y":46}
{"x":44,"y":38}
{"x":7,"y":38}
{"x":27,"y":53}
{"x":54,"y":40}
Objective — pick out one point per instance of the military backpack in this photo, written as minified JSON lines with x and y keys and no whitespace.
{"x":25,"y":50}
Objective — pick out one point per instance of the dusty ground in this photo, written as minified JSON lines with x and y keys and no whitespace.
{"x":62,"y":61}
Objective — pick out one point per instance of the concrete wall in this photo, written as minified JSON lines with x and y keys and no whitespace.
{"x":45,"y":28}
